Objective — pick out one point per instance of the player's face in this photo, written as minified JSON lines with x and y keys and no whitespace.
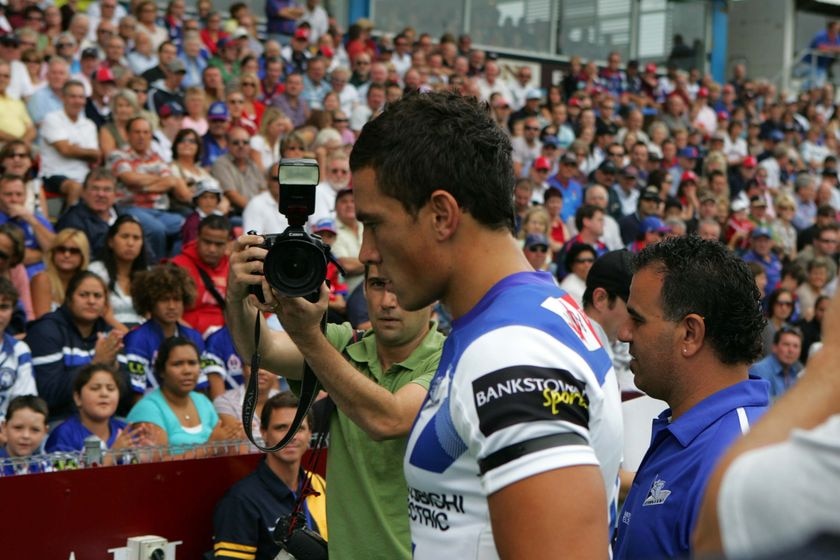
{"x":652,"y":338}
{"x":399,"y":244}
{"x":281,"y":420}
{"x":99,"y":397}
{"x":25,"y":431}
{"x":394,"y":325}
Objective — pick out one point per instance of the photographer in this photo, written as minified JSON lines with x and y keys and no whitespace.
{"x":378,"y":384}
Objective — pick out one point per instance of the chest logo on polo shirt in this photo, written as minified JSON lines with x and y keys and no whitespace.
{"x":657,"y":493}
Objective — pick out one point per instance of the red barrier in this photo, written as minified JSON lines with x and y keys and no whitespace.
{"x":88,"y":511}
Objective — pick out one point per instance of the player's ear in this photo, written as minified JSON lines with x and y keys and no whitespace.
{"x":445,"y":213}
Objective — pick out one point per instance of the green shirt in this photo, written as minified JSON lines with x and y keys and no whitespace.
{"x":367,"y":511}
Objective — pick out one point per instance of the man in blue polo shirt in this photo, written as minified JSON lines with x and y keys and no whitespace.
{"x":695,"y":326}
{"x":565,"y":182}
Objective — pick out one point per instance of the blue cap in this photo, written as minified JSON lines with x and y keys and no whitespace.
{"x":324,"y":224}
{"x":536,"y":239}
{"x":761,"y":232}
{"x":689,"y":152}
{"x":218,"y":111}
{"x":653,"y":223}
{"x":777,"y":135}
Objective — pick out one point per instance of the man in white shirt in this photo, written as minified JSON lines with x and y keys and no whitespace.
{"x":20,"y":86}
{"x":520,"y":87}
{"x":490,"y":83}
{"x":317,"y":18}
{"x":69,"y":145}
{"x":262,"y":213}
{"x":337,"y":178}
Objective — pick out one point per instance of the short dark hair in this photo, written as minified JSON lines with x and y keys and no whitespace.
{"x":286,"y":399}
{"x":99,"y":174}
{"x":8,"y":290}
{"x":150,"y":286}
{"x":166,"y":348}
{"x":430,"y":141}
{"x":704,"y":277}
{"x":87,"y":372}
{"x":179,"y":137}
{"x":574,"y":252}
{"x":76,"y":281}
{"x":787,"y":329}
{"x":214,"y":221}
{"x":586,"y":212}
{"x":32,"y":402}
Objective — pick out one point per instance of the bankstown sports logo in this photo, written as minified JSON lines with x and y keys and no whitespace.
{"x":657,"y":493}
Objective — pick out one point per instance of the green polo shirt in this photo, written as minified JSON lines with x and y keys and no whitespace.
{"x":367,"y":512}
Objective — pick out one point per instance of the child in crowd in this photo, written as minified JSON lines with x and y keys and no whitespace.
{"x":24,"y":429}
{"x":15,"y":358}
{"x":96,"y":392}
{"x":207,"y":198}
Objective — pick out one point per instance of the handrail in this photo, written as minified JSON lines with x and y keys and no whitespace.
{"x":782,"y":78}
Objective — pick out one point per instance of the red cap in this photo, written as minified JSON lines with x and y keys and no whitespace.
{"x":688,"y":176}
{"x":723,"y":115}
{"x":542,"y":163}
{"x":302,"y":33}
{"x":650,"y":68}
{"x":103,"y":74}
{"x":326,"y":51}
{"x":574,"y":102}
{"x":749,"y":162}
{"x":702,"y":92}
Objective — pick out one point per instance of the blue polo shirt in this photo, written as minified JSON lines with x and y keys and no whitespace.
{"x":572,"y":196}
{"x":771,"y":370}
{"x":663,"y":503}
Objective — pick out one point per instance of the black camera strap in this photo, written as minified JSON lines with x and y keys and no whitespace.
{"x":308,"y":391}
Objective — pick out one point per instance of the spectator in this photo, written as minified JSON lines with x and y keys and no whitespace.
{"x":69,"y":254}
{"x":16,"y":124}
{"x":781,"y":305}
{"x":16,"y":377}
{"x":174,"y":413}
{"x":265,"y":146}
{"x":114,"y":135}
{"x":261,"y":214}
{"x":37,"y":230}
{"x":337,"y":179}
{"x":64,"y":340}
{"x":16,"y":159}
{"x":291,"y":101}
{"x":161,"y":294}
{"x":565,"y":181}
{"x":236,"y":105}
{"x":171,"y":119}
{"x":649,"y":205}
{"x":69,"y":146}
{"x":781,"y":367}
{"x":50,"y":97}
{"x":226,"y":371}
{"x":348,"y":239}
{"x":237,"y":173}
{"x":214,"y":143}
{"x":577,"y":260}
{"x":195,"y":57}
{"x":244,"y":518}
{"x":96,"y":392}
{"x":143,"y":56}
{"x":228,"y":403}
{"x":195,"y":106}
{"x":253,"y":109}
{"x":208,"y":201}
{"x":206,"y":261}
{"x":102,"y":85}
{"x":146,"y":182}
{"x":761,"y":251}
{"x":168,"y":90}
{"x":819,"y":275}
{"x":123,"y":257}
{"x":95,"y":209}
{"x":25,"y":429}
{"x":12,"y":247}
{"x":374,"y":104}
{"x":700,"y":289}
{"x":146,"y":14}
{"x":226,"y":59}
{"x":167,"y":51}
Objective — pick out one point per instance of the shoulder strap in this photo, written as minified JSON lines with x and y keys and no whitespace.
{"x":208,"y":283}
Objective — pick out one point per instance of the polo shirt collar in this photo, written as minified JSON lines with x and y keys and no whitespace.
{"x":364,"y":351}
{"x":751,"y":392}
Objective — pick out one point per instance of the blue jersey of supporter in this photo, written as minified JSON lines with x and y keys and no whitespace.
{"x":141,"y":347}
{"x":29,"y":239}
{"x":572,"y":197}
{"x":772,"y":266}
{"x":220,"y":357}
{"x":16,"y":376}
{"x":210,"y":150}
{"x":522,"y":370}
{"x":660,"y":511}
{"x":70,"y":435}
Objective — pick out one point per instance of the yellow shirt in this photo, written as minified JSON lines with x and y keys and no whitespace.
{"x":14,"y":119}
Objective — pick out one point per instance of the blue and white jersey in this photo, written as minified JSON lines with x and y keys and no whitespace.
{"x":220,"y":357}
{"x":141,"y":348}
{"x":524,"y":365}
{"x":16,"y":377}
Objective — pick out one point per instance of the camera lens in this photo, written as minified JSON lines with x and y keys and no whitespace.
{"x":295,"y":267}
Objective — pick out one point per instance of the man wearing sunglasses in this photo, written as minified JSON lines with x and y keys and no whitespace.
{"x":239,"y":176}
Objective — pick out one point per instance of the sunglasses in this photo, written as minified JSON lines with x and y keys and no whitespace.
{"x":341,"y":171}
{"x":585,"y":260}
{"x":67,"y":250}
{"x":238,"y":142}
{"x":341,"y":120}
{"x":188,"y":141}
{"x":4,"y":256}
{"x":532,"y":128}
{"x":785,"y":303}
{"x":15,"y":155}
{"x":140,"y":90}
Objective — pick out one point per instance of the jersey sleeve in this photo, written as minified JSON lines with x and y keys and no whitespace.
{"x":235,"y":529}
{"x":136,"y":362}
{"x":520,"y":401}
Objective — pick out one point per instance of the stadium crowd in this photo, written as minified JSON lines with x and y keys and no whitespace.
{"x":136,"y":143}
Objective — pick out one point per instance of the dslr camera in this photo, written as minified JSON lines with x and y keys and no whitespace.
{"x":296,"y":263}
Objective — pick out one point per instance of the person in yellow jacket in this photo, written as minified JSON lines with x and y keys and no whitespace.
{"x":245,"y":519}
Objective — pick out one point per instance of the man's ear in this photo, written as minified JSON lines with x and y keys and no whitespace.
{"x":445,"y":213}
{"x":694,"y":334}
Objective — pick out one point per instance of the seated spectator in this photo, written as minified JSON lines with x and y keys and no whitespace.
{"x":262,"y":212}
{"x":819,"y":275}
{"x":222,"y":363}
{"x":174,"y":413}
{"x":229,"y":403}
{"x":780,"y":309}
{"x":16,"y":123}
{"x":95,"y":209}
{"x":206,"y":261}
{"x":122,"y":257}
{"x":214,"y":143}
{"x":265,"y":146}
{"x":16,"y":159}
{"x":245,"y":518}
{"x":102,"y":86}
{"x":238,"y":118}
{"x":15,"y":358}
{"x":143,"y":56}
{"x":147,"y":182}
{"x":140,"y":87}
{"x":24,"y":430}
{"x":11,"y":267}
{"x":168,"y":90}
{"x":171,"y":116}
{"x":167,"y":51}
{"x":208,"y":201}
{"x":69,"y":255}
{"x":253,"y":109}
{"x":335,"y":178}
{"x":96,"y":392}
{"x":578,"y":259}
{"x":161,"y":294}
{"x":38,"y":233}
{"x":291,"y":101}
{"x":114,"y":135}
{"x":240,"y":178}
{"x":337,"y":305}
{"x":186,"y":155}
{"x":781,"y":368}
{"x":48,"y":98}
{"x":195,"y":106}
{"x":70,"y":337}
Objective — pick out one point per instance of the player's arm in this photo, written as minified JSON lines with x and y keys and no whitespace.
{"x":555,"y":514}
{"x":814,"y":398}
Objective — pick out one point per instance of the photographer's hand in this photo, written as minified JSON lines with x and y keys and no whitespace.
{"x":246,"y":267}
{"x":301,"y":319}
